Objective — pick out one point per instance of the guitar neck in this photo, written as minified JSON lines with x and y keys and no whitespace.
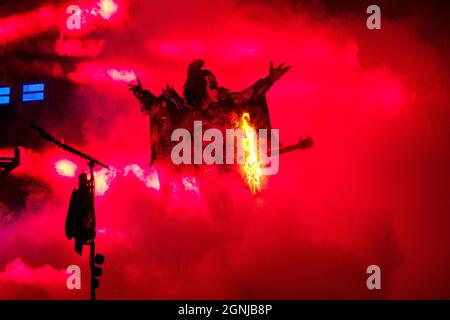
{"x":285,"y":149}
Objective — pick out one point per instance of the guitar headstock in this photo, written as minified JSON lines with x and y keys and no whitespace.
{"x":305,"y":143}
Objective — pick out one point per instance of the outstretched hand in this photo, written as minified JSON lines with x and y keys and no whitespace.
{"x":136,"y":88}
{"x":278,"y":72}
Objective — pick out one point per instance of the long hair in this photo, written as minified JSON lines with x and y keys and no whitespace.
{"x":196,"y":82}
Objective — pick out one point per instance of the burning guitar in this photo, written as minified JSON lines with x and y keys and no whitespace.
{"x":253,"y":166}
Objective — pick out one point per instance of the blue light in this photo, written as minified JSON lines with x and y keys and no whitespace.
{"x":4,"y":95}
{"x":4,"y":99}
{"x":38,"y":87}
{"x":5,"y":91}
{"x":33,"y":92}
{"x":37,"y":96}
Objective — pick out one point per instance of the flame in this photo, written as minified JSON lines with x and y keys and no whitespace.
{"x":107,"y":8}
{"x":103,"y":180}
{"x":104,"y":177}
{"x":190,"y":184}
{"x":151,"y":180}
{"x":122,"y":75}
{"x":66,"y":168}
{"x":252,"y":166}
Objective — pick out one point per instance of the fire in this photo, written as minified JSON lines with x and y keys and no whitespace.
{"x":150,"y":179}
{"x":122,"y":75}
{"x":107,"y":8}
{"x":103,"y":180}
{"x":190,"y":184}
{"x":105,"y":177}
{"x":252,"y":166}
{"x":95,"y":74}
{"x":66,"y":168}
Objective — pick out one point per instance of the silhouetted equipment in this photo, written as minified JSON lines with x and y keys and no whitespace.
{"x":97,"y":260}
{"x":46,"y":136}
{"x":9,"y":164}
{"x":80,"y":221}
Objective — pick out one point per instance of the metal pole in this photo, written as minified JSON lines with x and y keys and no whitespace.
{"x":92,"y":264}
{"x":92,"y":162}
{"x":92,"y":242}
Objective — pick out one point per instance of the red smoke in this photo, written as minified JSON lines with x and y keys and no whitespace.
{"x":54,"y":17}
{"x":373,"y":190}
{"x":21,"y":26}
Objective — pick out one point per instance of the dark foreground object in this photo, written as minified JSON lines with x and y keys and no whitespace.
{"x":231,"y":309}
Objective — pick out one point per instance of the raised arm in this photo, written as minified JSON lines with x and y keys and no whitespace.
{"x":148,"y":100}
{"x":263,"y":85}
